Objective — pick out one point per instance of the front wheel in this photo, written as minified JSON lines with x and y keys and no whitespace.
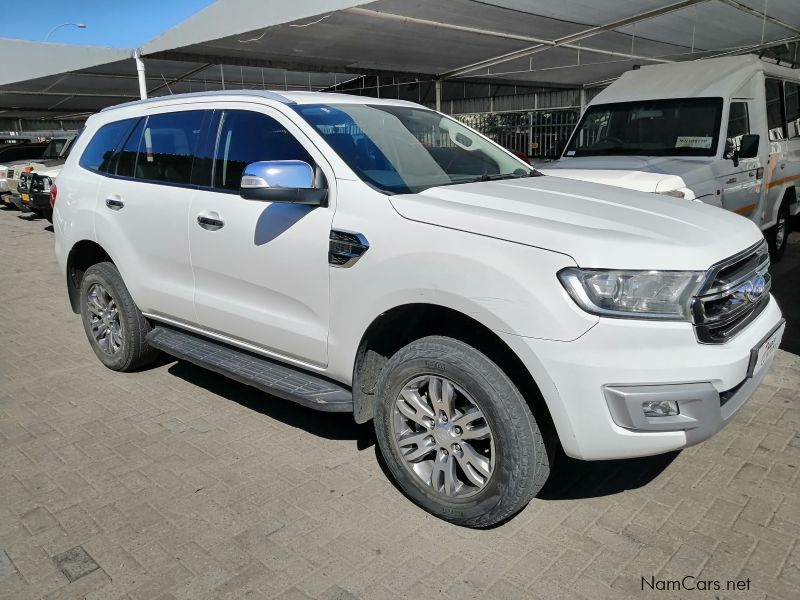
{"x":779,"y":233}
{"x":457,"y":436}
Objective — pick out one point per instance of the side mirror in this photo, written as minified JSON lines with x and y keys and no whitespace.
{"x":289,"y":181}
{"x":748,"y":148}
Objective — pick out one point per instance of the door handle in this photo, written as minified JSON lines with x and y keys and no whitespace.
{"x":114,"y":202}
{"x":210,"y":223}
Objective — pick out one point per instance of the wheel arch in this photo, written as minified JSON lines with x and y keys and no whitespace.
{"x":82,"y":255}
{"x":399,"y":326}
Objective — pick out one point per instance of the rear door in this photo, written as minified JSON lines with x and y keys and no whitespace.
{"x":143,"y":206}
{"x":261,"y":268}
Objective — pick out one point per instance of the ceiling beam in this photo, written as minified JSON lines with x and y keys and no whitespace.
{"x":763,"y":16}
{"x":541,"y":45}
{"x":792,"y":39}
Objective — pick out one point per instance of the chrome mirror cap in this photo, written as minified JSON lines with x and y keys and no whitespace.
{"x":289,"y":181}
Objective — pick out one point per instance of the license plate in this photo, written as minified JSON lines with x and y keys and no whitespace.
{"x":25,"y":197}
{"x":762,"y":354}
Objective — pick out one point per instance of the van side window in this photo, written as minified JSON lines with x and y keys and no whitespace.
{"x":738,"y":125}
{"x":101,"y":149}
{"x":792,"y":108}
{"x":774,"y":109}
{"x":167,"y":146}
{"x":247,"y":137}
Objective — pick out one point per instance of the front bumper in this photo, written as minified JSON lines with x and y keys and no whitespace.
{"x":594,"y":386}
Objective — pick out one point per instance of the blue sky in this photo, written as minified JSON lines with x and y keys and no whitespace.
{"x":113,"y":23}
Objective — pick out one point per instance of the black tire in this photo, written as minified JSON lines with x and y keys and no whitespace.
{"x":133,"y":351}
{"x":521,"y":463}
{"x":776,"y":239}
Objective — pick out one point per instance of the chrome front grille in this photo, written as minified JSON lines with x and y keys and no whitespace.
{"x":735,"y":291}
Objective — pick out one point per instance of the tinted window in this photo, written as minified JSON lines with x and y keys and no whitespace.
{"x":738,"y":125}
{"x":774,"y":109}
{"x":99,"y":152}
{"x":793,"y":108}
{"x":167,"y":146}
{"x":126,"y":157}
{"x":247,"y":137}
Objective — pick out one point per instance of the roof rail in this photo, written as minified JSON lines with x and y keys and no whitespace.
{"x":259,"y":93}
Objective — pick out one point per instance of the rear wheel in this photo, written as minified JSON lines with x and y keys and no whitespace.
{"x":113,"y":323}
{"x":457,"y":436}
{"x":778,"y":235}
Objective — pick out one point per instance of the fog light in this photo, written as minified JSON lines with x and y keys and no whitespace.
{"x":660,"y":408}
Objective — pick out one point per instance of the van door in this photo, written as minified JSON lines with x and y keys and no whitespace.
{"x":741,"y":185}
{"x":261,"y":268}
{"x":143,"y":207}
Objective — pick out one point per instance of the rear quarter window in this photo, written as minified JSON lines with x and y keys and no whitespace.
{"x":100,"y":151}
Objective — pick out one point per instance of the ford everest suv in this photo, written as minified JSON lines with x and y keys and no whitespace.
{"x":378,"y":258}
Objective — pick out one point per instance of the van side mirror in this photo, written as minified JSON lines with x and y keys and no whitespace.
{"x":748,"y":148}
{"x":289,"y":181}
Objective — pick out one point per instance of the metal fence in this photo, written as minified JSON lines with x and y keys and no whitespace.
{"x":539,"y":134}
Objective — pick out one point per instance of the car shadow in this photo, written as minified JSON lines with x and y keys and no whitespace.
{"x":331,"y":426}
{"x":573,"y":479}
{"x":49,"y":228}
{"x":786,"y":289}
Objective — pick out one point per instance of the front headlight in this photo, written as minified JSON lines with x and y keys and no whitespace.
{"x":633,"y":294}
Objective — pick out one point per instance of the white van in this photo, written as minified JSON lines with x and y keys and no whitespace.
{"x":724,"y":131}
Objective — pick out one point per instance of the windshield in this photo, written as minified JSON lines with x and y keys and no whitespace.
{"x":687,"y":127}
{"x":400,"y":150}
{"x":54,"y":148}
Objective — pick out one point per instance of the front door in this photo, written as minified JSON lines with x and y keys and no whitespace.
{"x":741,"y":184}
{"x":261,"y":268}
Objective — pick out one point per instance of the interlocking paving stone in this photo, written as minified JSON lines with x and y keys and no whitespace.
{"x":6,"y":566}
{"x":75,"y":563}
{"x":175,"y":484}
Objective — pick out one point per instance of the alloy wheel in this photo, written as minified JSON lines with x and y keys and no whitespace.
{"x":104,"y":322}
{"x":443,"y":436}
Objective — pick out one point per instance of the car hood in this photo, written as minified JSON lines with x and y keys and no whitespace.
{"x":597,"y":225}
{"x":642,"y":173}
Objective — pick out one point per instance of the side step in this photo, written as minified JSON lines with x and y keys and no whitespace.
{"x":251,"y":369}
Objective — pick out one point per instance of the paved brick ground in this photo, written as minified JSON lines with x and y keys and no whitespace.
{"x":175,"y":484}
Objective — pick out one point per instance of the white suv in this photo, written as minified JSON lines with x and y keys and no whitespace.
{"x":379,"y":258}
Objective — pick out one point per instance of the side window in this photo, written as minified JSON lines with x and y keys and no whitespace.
{"x":792,"y":108}
{"x":126,"y":157}
{"x":774,"y":109}
{"x":247,"y":137}
{"x":738,"y":125}
{"x":100,"y":150}
{"x":167,"y":146}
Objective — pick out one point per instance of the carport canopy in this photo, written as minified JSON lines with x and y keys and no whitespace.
{"x":329,"y":44}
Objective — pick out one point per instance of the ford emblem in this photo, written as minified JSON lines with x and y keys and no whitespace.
{"x":751,"y":291}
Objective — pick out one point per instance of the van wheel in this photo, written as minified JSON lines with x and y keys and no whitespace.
{"x":457,"y":435}
{"x":114,"y":325}
{"x":779,"y":234}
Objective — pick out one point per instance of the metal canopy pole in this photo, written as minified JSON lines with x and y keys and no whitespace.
{"x":140,"y":71}
{"x":439,"y":95}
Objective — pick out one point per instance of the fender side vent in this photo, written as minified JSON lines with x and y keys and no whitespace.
{"x":345,"y":248}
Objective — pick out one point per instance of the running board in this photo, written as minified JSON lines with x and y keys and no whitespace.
{"x":251,"y":369}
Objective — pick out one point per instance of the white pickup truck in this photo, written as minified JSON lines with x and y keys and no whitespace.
{"x":378,"y":258}
{"x":723,"y":131}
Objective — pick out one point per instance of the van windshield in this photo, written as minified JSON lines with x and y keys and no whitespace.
{"x":401,"y":150}
{"x":681,"y":127}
